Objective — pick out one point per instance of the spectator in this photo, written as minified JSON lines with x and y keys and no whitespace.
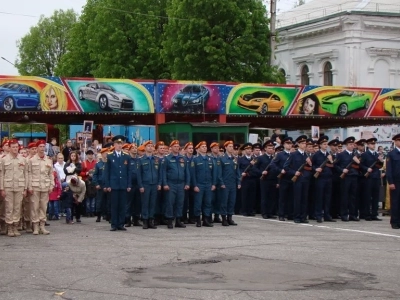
{"x":88,"y":165}
{"x":91,"y":193}
{"x":78,"y":189}
{"x":67,"y":200}
{"x":54,"y":197}
{"x":67,"y":150}
{"x":73,"y":166}
{"x":59,"y":167}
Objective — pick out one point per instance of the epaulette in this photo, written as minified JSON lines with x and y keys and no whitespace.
{"x":110,"y":152}
{"x":125,"y":152}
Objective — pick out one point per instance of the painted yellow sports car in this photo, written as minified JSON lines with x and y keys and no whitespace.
{"x":263,"y":102}
{"x":392,"y":105}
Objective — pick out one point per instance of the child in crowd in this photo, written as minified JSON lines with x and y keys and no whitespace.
{"x":54,"y":197}
{"x":91,"y":192}
{"x":67,"y":199}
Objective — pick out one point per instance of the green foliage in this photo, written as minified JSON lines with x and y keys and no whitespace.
{"x":42,"y":48}
{"x":27,"y":128}
{"x":225,"y":40}
{"x":118,"y":39}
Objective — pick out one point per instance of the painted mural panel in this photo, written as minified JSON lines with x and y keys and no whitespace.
{"x":387,"y":104}
{"x":118,"y":95}
{"x":334,"y":101}
{"x":260,"y":99}
{"x":190,"y":97}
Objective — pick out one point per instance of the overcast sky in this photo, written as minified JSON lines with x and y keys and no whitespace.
{"x":17,"y":16}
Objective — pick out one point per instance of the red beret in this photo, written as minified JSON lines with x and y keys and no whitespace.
{"x":31,"y":145}
{"x":174,"y":142}
{"x":159,"y":143}
{"x":5,"y":142}
{"x":201,"y":144}
{"x":228,"y":143}
{"x":141,"y":148}
{"x":214,"y":144}
{"x":40,"y":142}
{"x":187,"y":145}
{"x":13,"y":141}
{"x":150,"y":142}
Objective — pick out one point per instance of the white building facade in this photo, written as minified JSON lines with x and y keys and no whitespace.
{"x":349,"y":43}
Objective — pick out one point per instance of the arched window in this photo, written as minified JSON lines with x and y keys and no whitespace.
{"x":305,"y":80}
{"x":328,"y":77}
{"x":283,"y":72}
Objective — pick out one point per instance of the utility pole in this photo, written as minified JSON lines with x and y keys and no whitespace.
{"x":272,"y":30}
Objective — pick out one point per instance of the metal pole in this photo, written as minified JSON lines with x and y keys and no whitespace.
{"x":272,"y":31}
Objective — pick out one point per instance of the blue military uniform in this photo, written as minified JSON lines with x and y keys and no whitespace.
{"x":149,"y":178}
{"x":176,"y":176}
{"x":133,"y":207}
{"x":229,"y":181}
{"x":267,"y":183}
{"x":285,"y":183}
{"x":203,"y":174}
{"x":117,"y":176}
{"x":248,"y":182}
{"x":323,"y":184}
{"x":302,"y":184}
{"x":372,"y":182}
{"x":216,"y":194}
{"x":393,"y":177}
{"x":101,"y":197}
{"x":188,"y":204}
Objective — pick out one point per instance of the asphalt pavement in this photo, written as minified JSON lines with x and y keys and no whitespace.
{"x":258,"y":259}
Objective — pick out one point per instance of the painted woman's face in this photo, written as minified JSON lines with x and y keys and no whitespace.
{"x":309,"y":106}
{"x":51,"y":99}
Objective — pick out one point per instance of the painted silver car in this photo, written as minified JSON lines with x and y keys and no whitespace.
{"x":106,"y":96}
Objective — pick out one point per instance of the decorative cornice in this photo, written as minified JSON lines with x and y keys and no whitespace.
{"x":308,"y":58}
{"x":391,"y":52}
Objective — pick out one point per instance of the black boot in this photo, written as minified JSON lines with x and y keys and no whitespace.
{"x":128,"y":222}
{"x":170,"y":226}
{"x":217,"y":219}
{"x":207,"y":222}
{"x":192,"y":221}
{"x":163,"y":221}
{"x":224,"y":221}
{"x":198,"y":222}
{"x":230,"y":221}
{"x":136,"y":221}
{"x":179,"y":224}
{"x":145,"y":224}
{"x":151,"y":224}
{"x":98,"y":218}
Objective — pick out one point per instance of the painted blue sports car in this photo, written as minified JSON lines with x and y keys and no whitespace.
{"x":191,"y":96}
{"x":15,"y":96}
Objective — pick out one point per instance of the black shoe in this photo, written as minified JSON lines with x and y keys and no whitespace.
{"x":198,"y":222}
{"x":128,"y":224}
{"x":136,"y":222}
{"x":345,"y":219}
{"x":329,"y":220}
{"x":395,"y":226}
{"x":282,"y":219}
{"x":179,"y":224}
{"x":224,"y":221}
{"x":306,"y":221}
{"x":122,"y":228}
{"x":185,"y":221}
{"x":46,"y":224}
{"x":252,"y":215}
{"x":230,"y":221}
{"x":170,"y":226}
{"x":355,"y":219}
{"x":163,"y":221}
{"x":312,"y":218}
{"x":113,"y":229}
{"x":264,"y":216}
{"x":217,"y":219}
{"x":145,"y":224}
{"x":151,"y":224}
{"x":290,"y":218}
{"x":376,"y":219}
{"x":191,"y":221}
{"x":319,"y":220}
{"x":206,"y":222}
{"x":297,"y":221}
{"x":368,"y":219}
{"x":98,"y":219}
{"x":78,"y":221}
{"x":271,"y":217}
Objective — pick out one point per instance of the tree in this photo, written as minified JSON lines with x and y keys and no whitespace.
{"x":42,"y":48}
{"x":119,"y":39}
{"x":224,"y":40}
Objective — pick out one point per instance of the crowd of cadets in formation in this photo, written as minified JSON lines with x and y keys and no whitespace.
{"x":158,"y":184}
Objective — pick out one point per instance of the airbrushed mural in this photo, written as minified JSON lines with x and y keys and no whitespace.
{"x":190,"y":97}
{"x":102,"y":95}
{"x":334,"y":101}
{"x":259,"y":99}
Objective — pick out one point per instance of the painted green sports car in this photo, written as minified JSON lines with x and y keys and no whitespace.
{"x":345,"y":102}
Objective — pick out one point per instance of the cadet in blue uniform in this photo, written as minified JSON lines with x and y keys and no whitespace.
{"x":361,"y":188}
{"x":249,"y":178}
{"x":393,"y":179}
{"x":229,"y":181}
{"x":159,"y":214}
{"x":149,"y":177}
{"x":268,"y":180}
{"x":117,"y":179}
{"x":285,"y":182}
{"x":176,"y":180}
{"x":371,"y":163}
{"x":101,"y":196}
{"x":335,"y":200}
{"x":322,"y":163}
{"x":348,"y":164}
{"x":299,"y":164}
{"x":216,"y":194}
{"x":134,"y":202}
{"x":188,"y":204}
{"x":203,"y":174}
